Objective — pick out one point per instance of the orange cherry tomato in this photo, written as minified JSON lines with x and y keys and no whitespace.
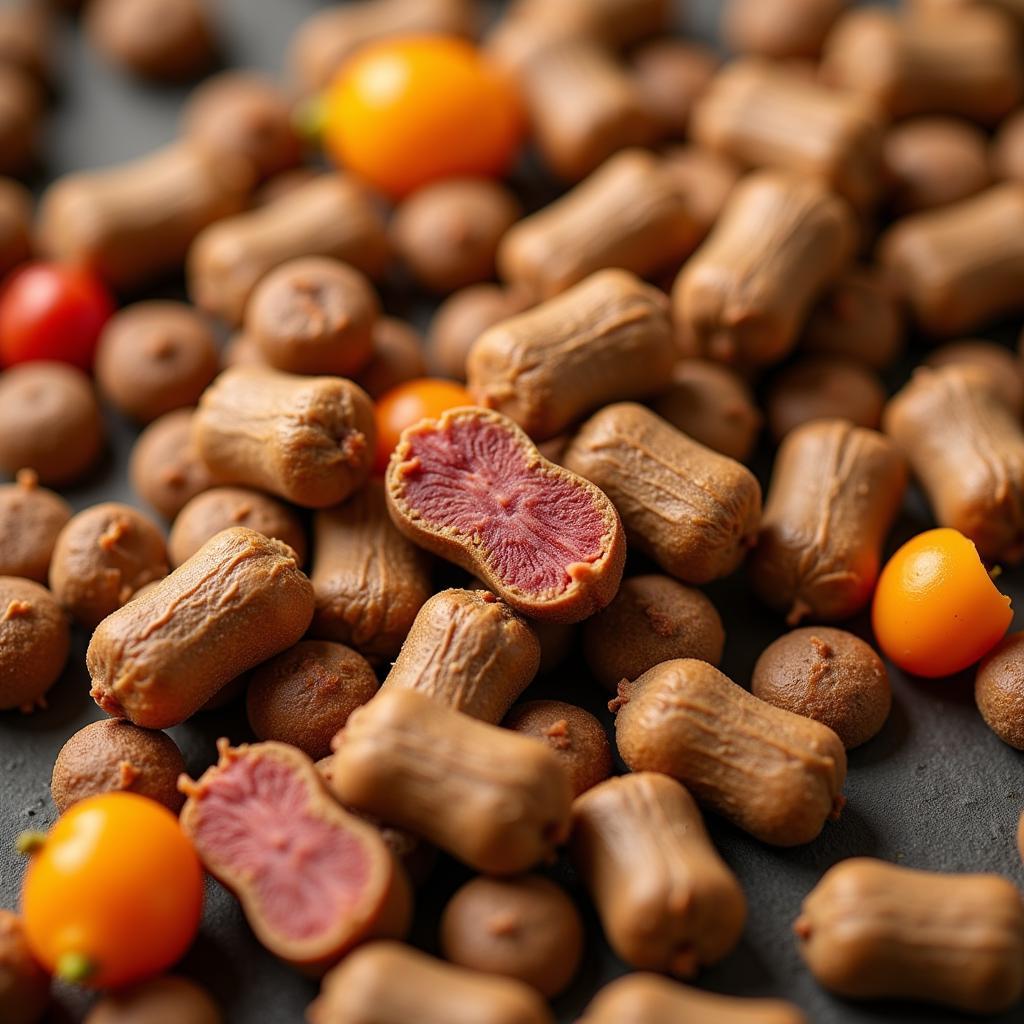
{"x":415,"y":400}
{"x":405,"y":112}
{"x":113,"y":894}
{"x":936,"y":609}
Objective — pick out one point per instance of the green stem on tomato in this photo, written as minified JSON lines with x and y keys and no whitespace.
{"x":74,"y":968}
{"x":29,"y":842}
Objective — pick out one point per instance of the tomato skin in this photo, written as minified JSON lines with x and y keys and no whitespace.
{"x":410,"y":111}
{"x":117,"y":884}
{"x":408,"y":403}
{"x":53,"y":311}
{"x":936,"y":610}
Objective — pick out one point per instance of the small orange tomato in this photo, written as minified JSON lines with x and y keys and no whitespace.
{"x":406,"y":112}
{"x":408,"y":403}
{"x":936,"y":609}
{"x":113,"y":894}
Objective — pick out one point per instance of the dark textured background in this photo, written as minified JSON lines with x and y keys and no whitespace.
{"x":934,"y":790}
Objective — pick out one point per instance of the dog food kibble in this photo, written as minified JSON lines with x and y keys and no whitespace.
{"x":49,"y":422}
{"x":747,"y":291}
{"x":497,"y":801}
{"x":1003,"y":369}
{"x":163,"y":1000}
{"x":628,"y":214}
{"x":999,"y":690}
{"x":472,"y":488}
{"x":308,"y":918}
{"x":134,"y":223}
{"x":712,"y":404}
{"x":671,"y":75}
{"x":780,"y":29}
{"x":448,"y":233}
{"x":237,"y":602}
{"x":241,"y":113}
{"x":705,"y":179}
{"x":115,"y":756}
{"x":155,"y":357}
{"x":309,"y":440}
{"x":605,"y":339}
{"x":525,"y":928}
{"x":966,"y":448}
{"x":331,"y":216}
{"x":686,"y":719}
{"x":220,"y":508}
{"x":102,"y":557}
{"x":165,"y":469}
{"x":666,"y":899}
{"x":834,"y":494}
{"x":1008,"y":149}
{"x":695,"y":512}
{"x":397,"y":357}
{"x":652,"y":619}
{"x":31,"y":517}
{"x":829,"y":675}
{"x":21,"y":107}
{"x":313,"y":315}
{"x":824,"y":387}
{"x":34,"y":643}
{"x":26,"y":40}
{"x":650,"y":999}
{"x":469,"y":651}
{"x":15,"y":224}
{"x":304,"y":695}
{"x":24,"y":985}
{"x":575,"y":735}
{"x":363,"y":990}
{"x":871,"y":930}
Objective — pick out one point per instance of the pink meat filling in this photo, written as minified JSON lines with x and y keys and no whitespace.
{"x":473,"y":478}
{"x":306,"y":873}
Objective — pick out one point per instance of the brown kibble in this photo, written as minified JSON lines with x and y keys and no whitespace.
{"x":671,"y":75}
{"x":24,"y":985}
{"x":309,"y":440}
{"x":997,"y":362}
{"x":49,"y":422}
{"x":469,"y":651}
{"x":666,"y":900}
{"x":1008,"y":149}
{"x":525,"y":928}
{"x":220,"y":508}
{"x":103,"y":555}
{"x":238,"y":601}
{"x":304,"y":695}
{"x":34,"y":643}
{"x":448,"y":233}
{"x":398,"y":356}
{"x":652,"y":619}
{"x":363,"y":990}
{"x":112,"y":756}
{"x":16,"y":207}
{"x":693,"y":511}
{"x":829,"y":675}
{"x":26,"y":40}
{"x":606,"y":339}
{"x":860,"y":933}
{"x":497,"y":801}
{"x":999,"y":690}
{"x":835,"y":491}
{"x":686,"y":719}
{"x":21,"y":110}
{"x":575,"y":735}
{"x":31,"y":517}
{"x":706,"y":181}
{"x":158,"y":1001}
{"x":779,"y":29}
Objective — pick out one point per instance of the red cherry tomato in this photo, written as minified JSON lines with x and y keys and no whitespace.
{"x":52,"y":311}
{"x":408,"y":403}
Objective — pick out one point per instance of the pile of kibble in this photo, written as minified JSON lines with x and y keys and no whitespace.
{"x":377,"y":541}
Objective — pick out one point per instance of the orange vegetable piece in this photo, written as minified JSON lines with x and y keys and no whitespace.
{"x":406,"y":112}
{"x":936,"y":609}
{"x":408,"y":403}
{"x":113,"y":894}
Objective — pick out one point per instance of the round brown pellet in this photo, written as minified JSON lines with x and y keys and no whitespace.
{"x":102,"y":557}
{"x":397,"y":357}
{"x":166,"y":1000}
{"x":998,"y":363}
{"x":824,"y":387}
{"x":525,"y":928}
{"x":155,"y":357}
{"x":30,"y":519}
{"x":34,"y":643}
{"x":304,"y":695}
{"x":314,"y":315}
{"x":652,"y":619}
{"x":574,"y":734}
{"x":15,"y":224}
{"x":113,"y":756}
{"x":829,"y":675}
{"x":999,"y":690}
{"x":49,"y":421}
{"x":220,"y":508}
{"x":165,"y":470}
{"x":24,"y":985}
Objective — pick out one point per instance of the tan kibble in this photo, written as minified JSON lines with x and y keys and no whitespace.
{"x":31,"y":517}
{"x":1000,"y":364}
{"x":165,"y":468}
{"x":999,"y":690}
{"x":34,"y":643}
{"x":165,"y":999}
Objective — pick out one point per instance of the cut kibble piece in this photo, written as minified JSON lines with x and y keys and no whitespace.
{"x":472,"y":487}
{"x":313,"y":879}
